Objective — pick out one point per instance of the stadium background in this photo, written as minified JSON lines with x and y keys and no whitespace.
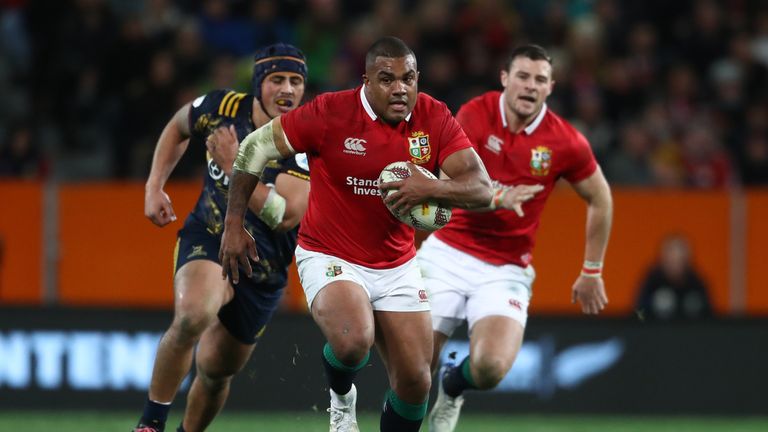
{"x":672,"y":96}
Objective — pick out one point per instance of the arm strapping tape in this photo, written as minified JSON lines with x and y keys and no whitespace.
{"x":257,"y":149}
{"x":273,"y":210}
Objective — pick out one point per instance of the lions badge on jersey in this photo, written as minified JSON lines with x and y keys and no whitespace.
{"x":541,"y":161}
{"x":333,"y":270}
{"x":418,"y":148}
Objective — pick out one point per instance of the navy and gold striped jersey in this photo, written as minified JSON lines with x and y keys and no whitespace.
{"x":223,"y":108}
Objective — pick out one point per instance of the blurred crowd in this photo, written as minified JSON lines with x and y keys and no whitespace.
{"x":669,"y":93}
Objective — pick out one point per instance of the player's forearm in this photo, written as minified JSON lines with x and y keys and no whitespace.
{"x":293,"y":215}
{"x":296,"y":193}
{"x":241,"y":188}
{"x":469,"y":191}
{"x":258,"y":197}
{"x":170,"y":148}
{"x":598,"y":229}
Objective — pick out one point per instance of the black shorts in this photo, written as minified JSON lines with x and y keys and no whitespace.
{"x":255,"y":299}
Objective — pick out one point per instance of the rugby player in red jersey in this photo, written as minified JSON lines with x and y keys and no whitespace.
{"x":357,"y":261}
{"x":478,"y":268}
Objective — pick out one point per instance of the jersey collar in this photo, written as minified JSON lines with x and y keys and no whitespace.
{"x":531,"y":127}
{"x":369,"y":110}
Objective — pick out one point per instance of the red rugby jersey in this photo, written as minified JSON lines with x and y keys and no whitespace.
{"x":348,"y":146}
{"x":547,"y":149}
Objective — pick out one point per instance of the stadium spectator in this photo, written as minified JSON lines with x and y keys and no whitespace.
{"x":590,"y":120}
{"x":754,"y":163}
{"x":630,"y":164}
{"x":267,"y":26}
{"x":78,"y":65}
{"x":750,"y":145}
{"x":20,"y":156}
{"x":361,"y":279}
{"x":672,"y":288}
{"x":144,"y":115}
{"x":707,"y":166}
{"x":478,"y":268}
{"x":225,"y":318}
{"x":223,"y":30}
{"x":321,"y":32}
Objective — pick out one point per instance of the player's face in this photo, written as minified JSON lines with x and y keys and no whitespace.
{"x":281,"y":92}
{"x":391,"y":86}
{"x":527,"y":84}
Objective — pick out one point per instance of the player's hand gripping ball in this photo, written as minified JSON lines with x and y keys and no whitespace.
{"x":428,"y":216}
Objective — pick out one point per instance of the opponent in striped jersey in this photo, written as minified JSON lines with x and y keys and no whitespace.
{"x":227,"y":319}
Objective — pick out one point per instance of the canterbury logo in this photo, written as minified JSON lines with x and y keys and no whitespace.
{"x":355,"y":144}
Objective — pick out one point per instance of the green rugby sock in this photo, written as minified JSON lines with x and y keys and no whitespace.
{"x":457,"y":379}
{"x":340,"y":375}
{"x":400,"y":416}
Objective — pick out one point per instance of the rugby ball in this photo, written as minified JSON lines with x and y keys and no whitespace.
{"x":428,"y":216}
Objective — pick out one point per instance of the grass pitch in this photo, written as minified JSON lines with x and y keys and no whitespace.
{"x":72,"y":421}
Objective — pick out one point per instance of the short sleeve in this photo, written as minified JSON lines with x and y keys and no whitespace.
{"x":581,"y":160}
{"x":305,"y":126}
{"x":204,"y":112}
{"x":453,"y":138}
{"x":466,"y":120}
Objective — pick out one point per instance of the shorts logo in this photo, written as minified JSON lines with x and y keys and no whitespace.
{"x":197,"y":250}
{"x":418,"y":148}
{"x":541,"y":161}
{"x":355,"y":146}
{"x":423,"y":296}
{"x":333,"y":270}
{"x":494,"y":144}
{"x":516,"y":304}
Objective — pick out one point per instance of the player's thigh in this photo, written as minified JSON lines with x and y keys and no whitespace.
{"x":505,"y":291}
{"x":219,"y":354}
{"x":497,"y":314}
{"x":448,"y":278}
{"x":337,"y":297}
{"x":249,"y":311}
{"x":199,"y":289}
{"x":404,"y":340}
{"x":343,"y":312}
{"x":496,"y":340}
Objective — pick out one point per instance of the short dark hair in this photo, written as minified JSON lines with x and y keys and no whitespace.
{"x":531,"y":51}
{"x":388,"y":46}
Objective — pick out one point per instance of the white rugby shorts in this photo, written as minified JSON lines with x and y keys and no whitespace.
{"x":398,"y":289}
{"x":462,"y":287}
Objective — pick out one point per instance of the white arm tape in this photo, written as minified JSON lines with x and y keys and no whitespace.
{"x":274,"y":209}
{"x":257,"y":149}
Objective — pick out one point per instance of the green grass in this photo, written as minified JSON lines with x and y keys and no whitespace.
{"x":69,"y":421}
